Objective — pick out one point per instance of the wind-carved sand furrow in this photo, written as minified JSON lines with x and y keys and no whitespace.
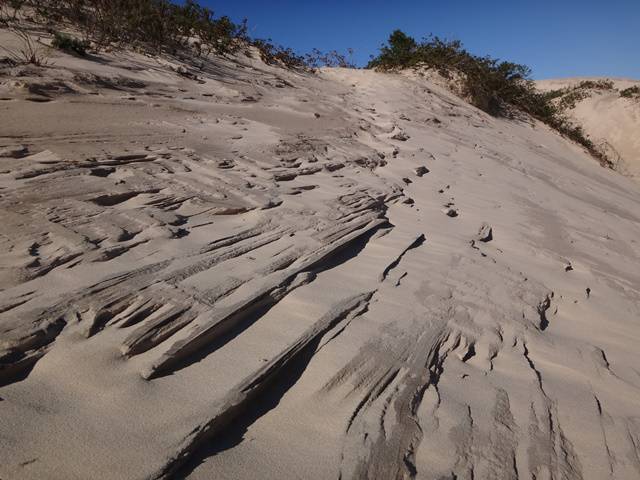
{"x":357,"y":202}
{"x":119,"y":300}
{"x":602,"y":362}
{"x":204,"y":334}
{"x":44,"y":168}
{"x":366,"y":227}
{"x":542,"y":311}
{"x":155,"y":331}
{"x":550,"y":454}
{"x":470,"y":353}
{"x":237,"y":238}
{"x":41,"y":266}
{"x":129,"y":312}
{"x":232,"y":250}
{"x":230,"y":284}
{"x":388,"y":450}
{"x":13,"y":304}
{"x":492,"y":353}
{"x":602,"y":417}
{"x":103,"y":308}
{"x":342,"y":229}
{"x":373,"y":393}
{"x":237,"y":400}
{"x":532,"y":366}
{"x":25,"y":342}
{"x":501,"y":451}
{"x":115,"y":198}
{"x":275,"y":287}
{"x":633,"y":435}
{"x":137,"y":311}
{"x":16,"y":365}
{"x":20,"y":353}
{"x":419,"y":240}
{"x":464,"y":432}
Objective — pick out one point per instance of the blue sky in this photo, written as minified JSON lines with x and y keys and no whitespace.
{"x":555,"y":38}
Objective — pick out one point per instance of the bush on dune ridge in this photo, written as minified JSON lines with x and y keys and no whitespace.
{"x":28,"y":49}
{"x":491,"y":85}
{"x":67,"y":43}
{"x":158,"y":26}
{"x":568,"y":97}
{"x":631,"y":92}
{"x":496,"y":87}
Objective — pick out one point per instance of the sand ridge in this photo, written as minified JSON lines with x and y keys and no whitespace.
{"x":609,"y":119}
{"x":252,"y":272}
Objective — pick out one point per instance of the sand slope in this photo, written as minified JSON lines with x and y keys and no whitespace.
{"x":254,"y":273}
{"x":610,"y":120}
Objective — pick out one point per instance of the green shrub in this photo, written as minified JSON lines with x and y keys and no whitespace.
{"x":69,"y":44}
{"x":287,"y":57}
{"x":164,"y":26}
{"x":553,"y":94}
{"x":495,"y":86}
{"x":631,"y":92}
{"x":568,"y":97}
{"x":490,"y":84}
{"x":572,"y":97}
{"x":158,"y":25}
{"x":317,"y":59}
{"x":400,"y":51}
{"x":277,"y":54}
{"x":28,"y":48}
{"x":605,"y":84}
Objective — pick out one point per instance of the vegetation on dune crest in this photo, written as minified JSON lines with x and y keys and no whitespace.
{"x":28,"y":50}
{"x":568,"y":97}
{"x":70,"y":44}
{"x":160,"y":26}
{"x":491,"y":85}
{"x":497,"y":87}
{"x":631,"y":92}
{"x":317,"y":59}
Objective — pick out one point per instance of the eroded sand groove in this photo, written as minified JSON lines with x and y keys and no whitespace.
{"x":205,"y":279}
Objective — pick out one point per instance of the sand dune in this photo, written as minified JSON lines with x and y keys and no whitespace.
{"x":610,"y":120}
{"x":249,"y":272}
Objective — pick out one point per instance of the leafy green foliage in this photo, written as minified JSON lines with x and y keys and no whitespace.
{"x":400,"y":51}
{"x":570,"y":96}
{"x":277,"y":54}
{"x":165,"y":26}
{"x":28,"y":49}
{"x":495,"y":86}
{"x":490,"y":84}
{"x":571,"y":99}
{"x":317,"y":59}
{"x":286,"y":57}
{"x":605,"y":84}
{"x":159,"y":25}
{"x":631,"y":92}
{"x":70,"y":44}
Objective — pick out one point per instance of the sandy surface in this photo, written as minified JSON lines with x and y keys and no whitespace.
{"x":264,"y":274}
{"x":610,"y":120}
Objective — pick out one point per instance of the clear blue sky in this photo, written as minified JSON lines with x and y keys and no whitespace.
{"x":555,"y":38}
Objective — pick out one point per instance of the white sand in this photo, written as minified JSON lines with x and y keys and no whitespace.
{"x":611,"y":121}
{"x":204,"y":279}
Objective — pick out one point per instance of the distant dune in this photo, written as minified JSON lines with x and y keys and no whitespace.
{"x":610,"y":119}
